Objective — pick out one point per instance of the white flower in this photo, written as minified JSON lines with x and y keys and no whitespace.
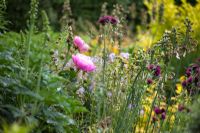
{"x":142,"y":112}
{"x":109,"y":94}
{"x":125,"y":55}
{"x":59,"y":89}
{"x":130,"y":106}
{"x":112,"y":57}
{"x":80,"y":91}
{"x":91,"y":87}
{"x":55,"y":53}
{"x":70,"y":64}
{"x":97,"y":60}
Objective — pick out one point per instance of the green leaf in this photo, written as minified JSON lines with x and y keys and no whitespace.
{"x":68,"y":74}
{"x":29,"y":93}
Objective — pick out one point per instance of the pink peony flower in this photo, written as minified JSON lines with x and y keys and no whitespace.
{"x":83,"y":62}
{"x":80,"y":44}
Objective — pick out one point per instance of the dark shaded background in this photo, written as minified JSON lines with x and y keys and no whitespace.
{"x":17,"y":11}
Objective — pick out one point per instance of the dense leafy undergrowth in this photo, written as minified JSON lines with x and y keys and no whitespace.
{"x":56,"y":82}
{"x":41,"y":98}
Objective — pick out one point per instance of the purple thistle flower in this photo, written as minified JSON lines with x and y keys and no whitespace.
{"x":157,"y":71}
{"x":157,"y":110}
{"x":149,"y":81}
{"x":188,"y":71}
{"x":162,"y":110}
{"x":163,"y":115}
{"x":197,"y":70}
{"x":113,"y":20}
{"x":195,"y":66}
{"x":197,"y":80}
{"x":154,"y":119}
{"x":181,"y":107}
{"x":108,"y":19}
{"x":150,"y":67}
{"x":103,"y":20}
{"x":184,"y":83}
{"x":189,"y":80}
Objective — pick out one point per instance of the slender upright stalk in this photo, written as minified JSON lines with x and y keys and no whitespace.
{"x":104,"y":53}
{"x":152,"y":105}
{"x":28,"y":51}
{"x":123,"y":111}
{"x":45,"y":30}
{"x":33,"y":13}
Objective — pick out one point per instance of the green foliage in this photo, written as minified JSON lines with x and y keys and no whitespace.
{"x":31,"y":93}
{"x":165,"y":15}
{"x":3,"y":21}
{"x":42,"y":91}
{"x":15,"y":128}
{"x":172,"y":16}
{"x":48,"y":107}
{"x":194,"y":124}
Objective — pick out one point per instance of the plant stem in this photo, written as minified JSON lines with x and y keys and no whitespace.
{"x":104,"y":54}
{"x":28,"y":51}
{"x":33,"y":13}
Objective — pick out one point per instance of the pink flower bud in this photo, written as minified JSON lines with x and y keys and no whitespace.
{"x":83,"y":62}
{"x":80,"y":44}
{"x":84,"y":48}
{"x":78,"y":41}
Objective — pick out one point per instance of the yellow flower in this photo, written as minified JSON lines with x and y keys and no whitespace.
{"x":87,"y":53}
{"x":173,"y":98}
{"x":172,"y":119}
{"x":179,"y":88}
{"x":163,"y":104}
{"x":150,"y":90}
{"x":182,"y":78}
{"x":172,"y":108}
{"x":140,"y":129}
{"x":115,"y":49}
{"x":94,"y":41}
